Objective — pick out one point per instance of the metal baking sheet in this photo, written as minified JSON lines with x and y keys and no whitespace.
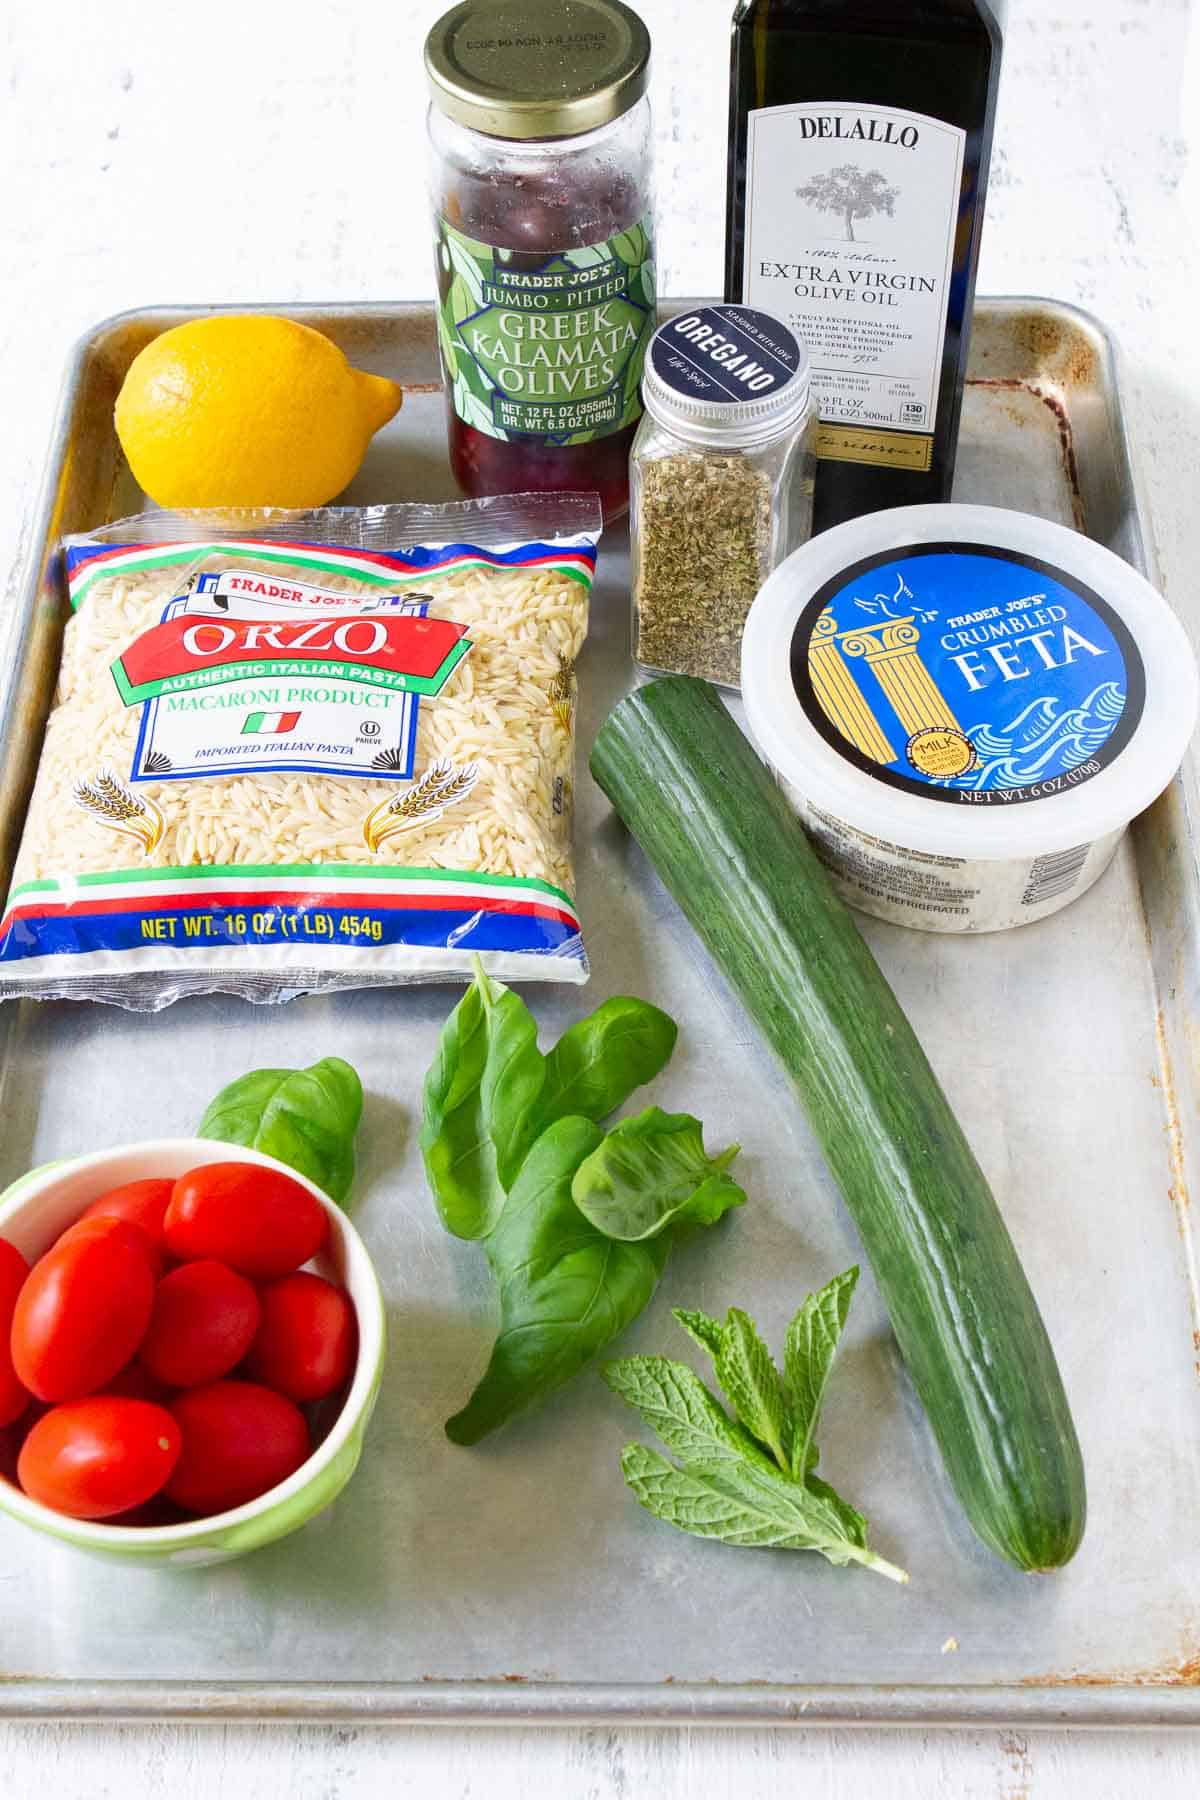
{"x":519,"y":1581}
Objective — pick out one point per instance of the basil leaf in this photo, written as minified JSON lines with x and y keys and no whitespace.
{"x":808,"y":1353}
{"x":743,"y":1504}
{"x":748,"y":1375}
{"x":566,"y":1290}
{"x":676,"y":1404}
{"x":599,"y":1061}
{"x":652,"y":1171}
{"x":479,"y":1104}
{"x":305,"y":1117}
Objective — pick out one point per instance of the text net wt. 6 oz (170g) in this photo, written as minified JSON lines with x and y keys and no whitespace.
{"x":286,"y":756}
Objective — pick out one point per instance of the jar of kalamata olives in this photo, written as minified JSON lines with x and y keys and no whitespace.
{"x":540,"y":133}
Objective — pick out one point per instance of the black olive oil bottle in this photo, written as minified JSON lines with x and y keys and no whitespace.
{"x":859,"y":138}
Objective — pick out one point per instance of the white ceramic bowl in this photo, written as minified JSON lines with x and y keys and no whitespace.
{"x":42,"y":1204}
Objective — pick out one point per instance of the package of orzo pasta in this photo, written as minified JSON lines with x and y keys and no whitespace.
{"x":290,"y":753}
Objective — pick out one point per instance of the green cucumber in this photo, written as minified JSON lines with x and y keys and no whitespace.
{"x":729,"y":848}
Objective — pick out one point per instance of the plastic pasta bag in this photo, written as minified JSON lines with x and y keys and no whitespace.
{"x":286,"y":756}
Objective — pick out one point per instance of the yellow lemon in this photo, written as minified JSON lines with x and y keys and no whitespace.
{"x":247,"y":410}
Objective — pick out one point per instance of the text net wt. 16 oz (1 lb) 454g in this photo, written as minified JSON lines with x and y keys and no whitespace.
{"x":286,"y":756}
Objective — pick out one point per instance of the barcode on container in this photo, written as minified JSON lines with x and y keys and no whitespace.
{"x":1050,"y":876}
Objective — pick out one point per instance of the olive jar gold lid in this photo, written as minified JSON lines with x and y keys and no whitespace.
{"x":537,"y":68}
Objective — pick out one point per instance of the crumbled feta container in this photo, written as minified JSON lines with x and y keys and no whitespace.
{"x":967,"y":706}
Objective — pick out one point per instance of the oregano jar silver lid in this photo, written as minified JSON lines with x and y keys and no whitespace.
{"x":726,"y":375}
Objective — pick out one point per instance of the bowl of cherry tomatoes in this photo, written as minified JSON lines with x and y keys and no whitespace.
{"x":191,"y":1345}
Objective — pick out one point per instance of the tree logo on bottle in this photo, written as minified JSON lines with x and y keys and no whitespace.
{"x":852,"y":193}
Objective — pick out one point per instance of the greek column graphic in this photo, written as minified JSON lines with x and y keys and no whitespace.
{"x":890,"y":650}
{"x":838,"y":693}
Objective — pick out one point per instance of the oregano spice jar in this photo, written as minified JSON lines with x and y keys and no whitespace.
{"x":721,"y":483}
{"x":541,"y":160}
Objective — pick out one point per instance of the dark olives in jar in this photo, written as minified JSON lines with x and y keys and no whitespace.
{"x":544,"y":244}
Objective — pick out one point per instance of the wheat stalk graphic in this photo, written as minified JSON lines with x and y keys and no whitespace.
{"x":421,"y":804}
{"x":561,"y":692}
{"x":105,"y":798}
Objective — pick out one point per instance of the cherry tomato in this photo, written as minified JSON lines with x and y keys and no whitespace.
{"x":142,"y":1203}
{"x":98,"y":1226}
{"x":83,"y":1310}
{"x":239,"y":1439}
{"x":93,"y":1458}
{"x":204,"y":1320}
{"x":11,"y":1439}
{"x":158,"y":1510}
{"x":14,"y":1435}
{"x":260,"y":1222}
{"x":307,"y":1339}
{"x":135,"y":1383}
{"x":14,"y":1398}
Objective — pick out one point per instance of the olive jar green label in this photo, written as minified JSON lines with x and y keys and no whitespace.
{"x":547,"y":346}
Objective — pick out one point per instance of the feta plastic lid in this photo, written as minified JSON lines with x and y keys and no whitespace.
{"x":968,"y":681}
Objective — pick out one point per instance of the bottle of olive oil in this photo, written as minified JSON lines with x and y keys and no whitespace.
{"x":859,"y":138}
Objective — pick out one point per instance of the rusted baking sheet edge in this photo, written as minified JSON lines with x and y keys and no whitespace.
{"x":1168,"y":1700}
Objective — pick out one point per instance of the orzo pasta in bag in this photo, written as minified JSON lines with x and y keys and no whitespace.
{"x":287,"y":756}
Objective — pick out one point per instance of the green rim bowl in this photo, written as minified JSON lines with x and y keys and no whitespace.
{"x":35,"y":1209}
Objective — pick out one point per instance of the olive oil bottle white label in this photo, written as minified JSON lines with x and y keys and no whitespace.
{"x":851,"y":213}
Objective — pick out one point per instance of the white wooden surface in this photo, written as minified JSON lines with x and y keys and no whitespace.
{"x":267,"y":150}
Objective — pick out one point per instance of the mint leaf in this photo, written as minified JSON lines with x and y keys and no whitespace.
{"x":743,"y":1505}
{"x":700,"y":1328}
{"x":751,"y":1380}
{"x":808,"y":1352}
{"x":652,"y":1171}
{"x":725,"y":1484}
{"x":676,"y":1404}
{"x":853,"y":1523}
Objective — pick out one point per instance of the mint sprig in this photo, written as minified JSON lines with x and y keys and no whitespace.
{"x":751,"y":1479}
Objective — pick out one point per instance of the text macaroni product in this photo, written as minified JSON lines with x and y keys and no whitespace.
{"x":286,"y":755}
{"x":967,"y":706}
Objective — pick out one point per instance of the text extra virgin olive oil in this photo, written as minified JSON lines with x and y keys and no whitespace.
{"x":860,"y":132}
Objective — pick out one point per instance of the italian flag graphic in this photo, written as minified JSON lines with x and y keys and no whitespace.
{"x":269,"y":724}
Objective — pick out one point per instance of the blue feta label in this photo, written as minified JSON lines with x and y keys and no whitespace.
{"x":969,"y":675}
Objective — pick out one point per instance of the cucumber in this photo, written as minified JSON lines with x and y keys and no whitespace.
{"x":729,"y":848}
